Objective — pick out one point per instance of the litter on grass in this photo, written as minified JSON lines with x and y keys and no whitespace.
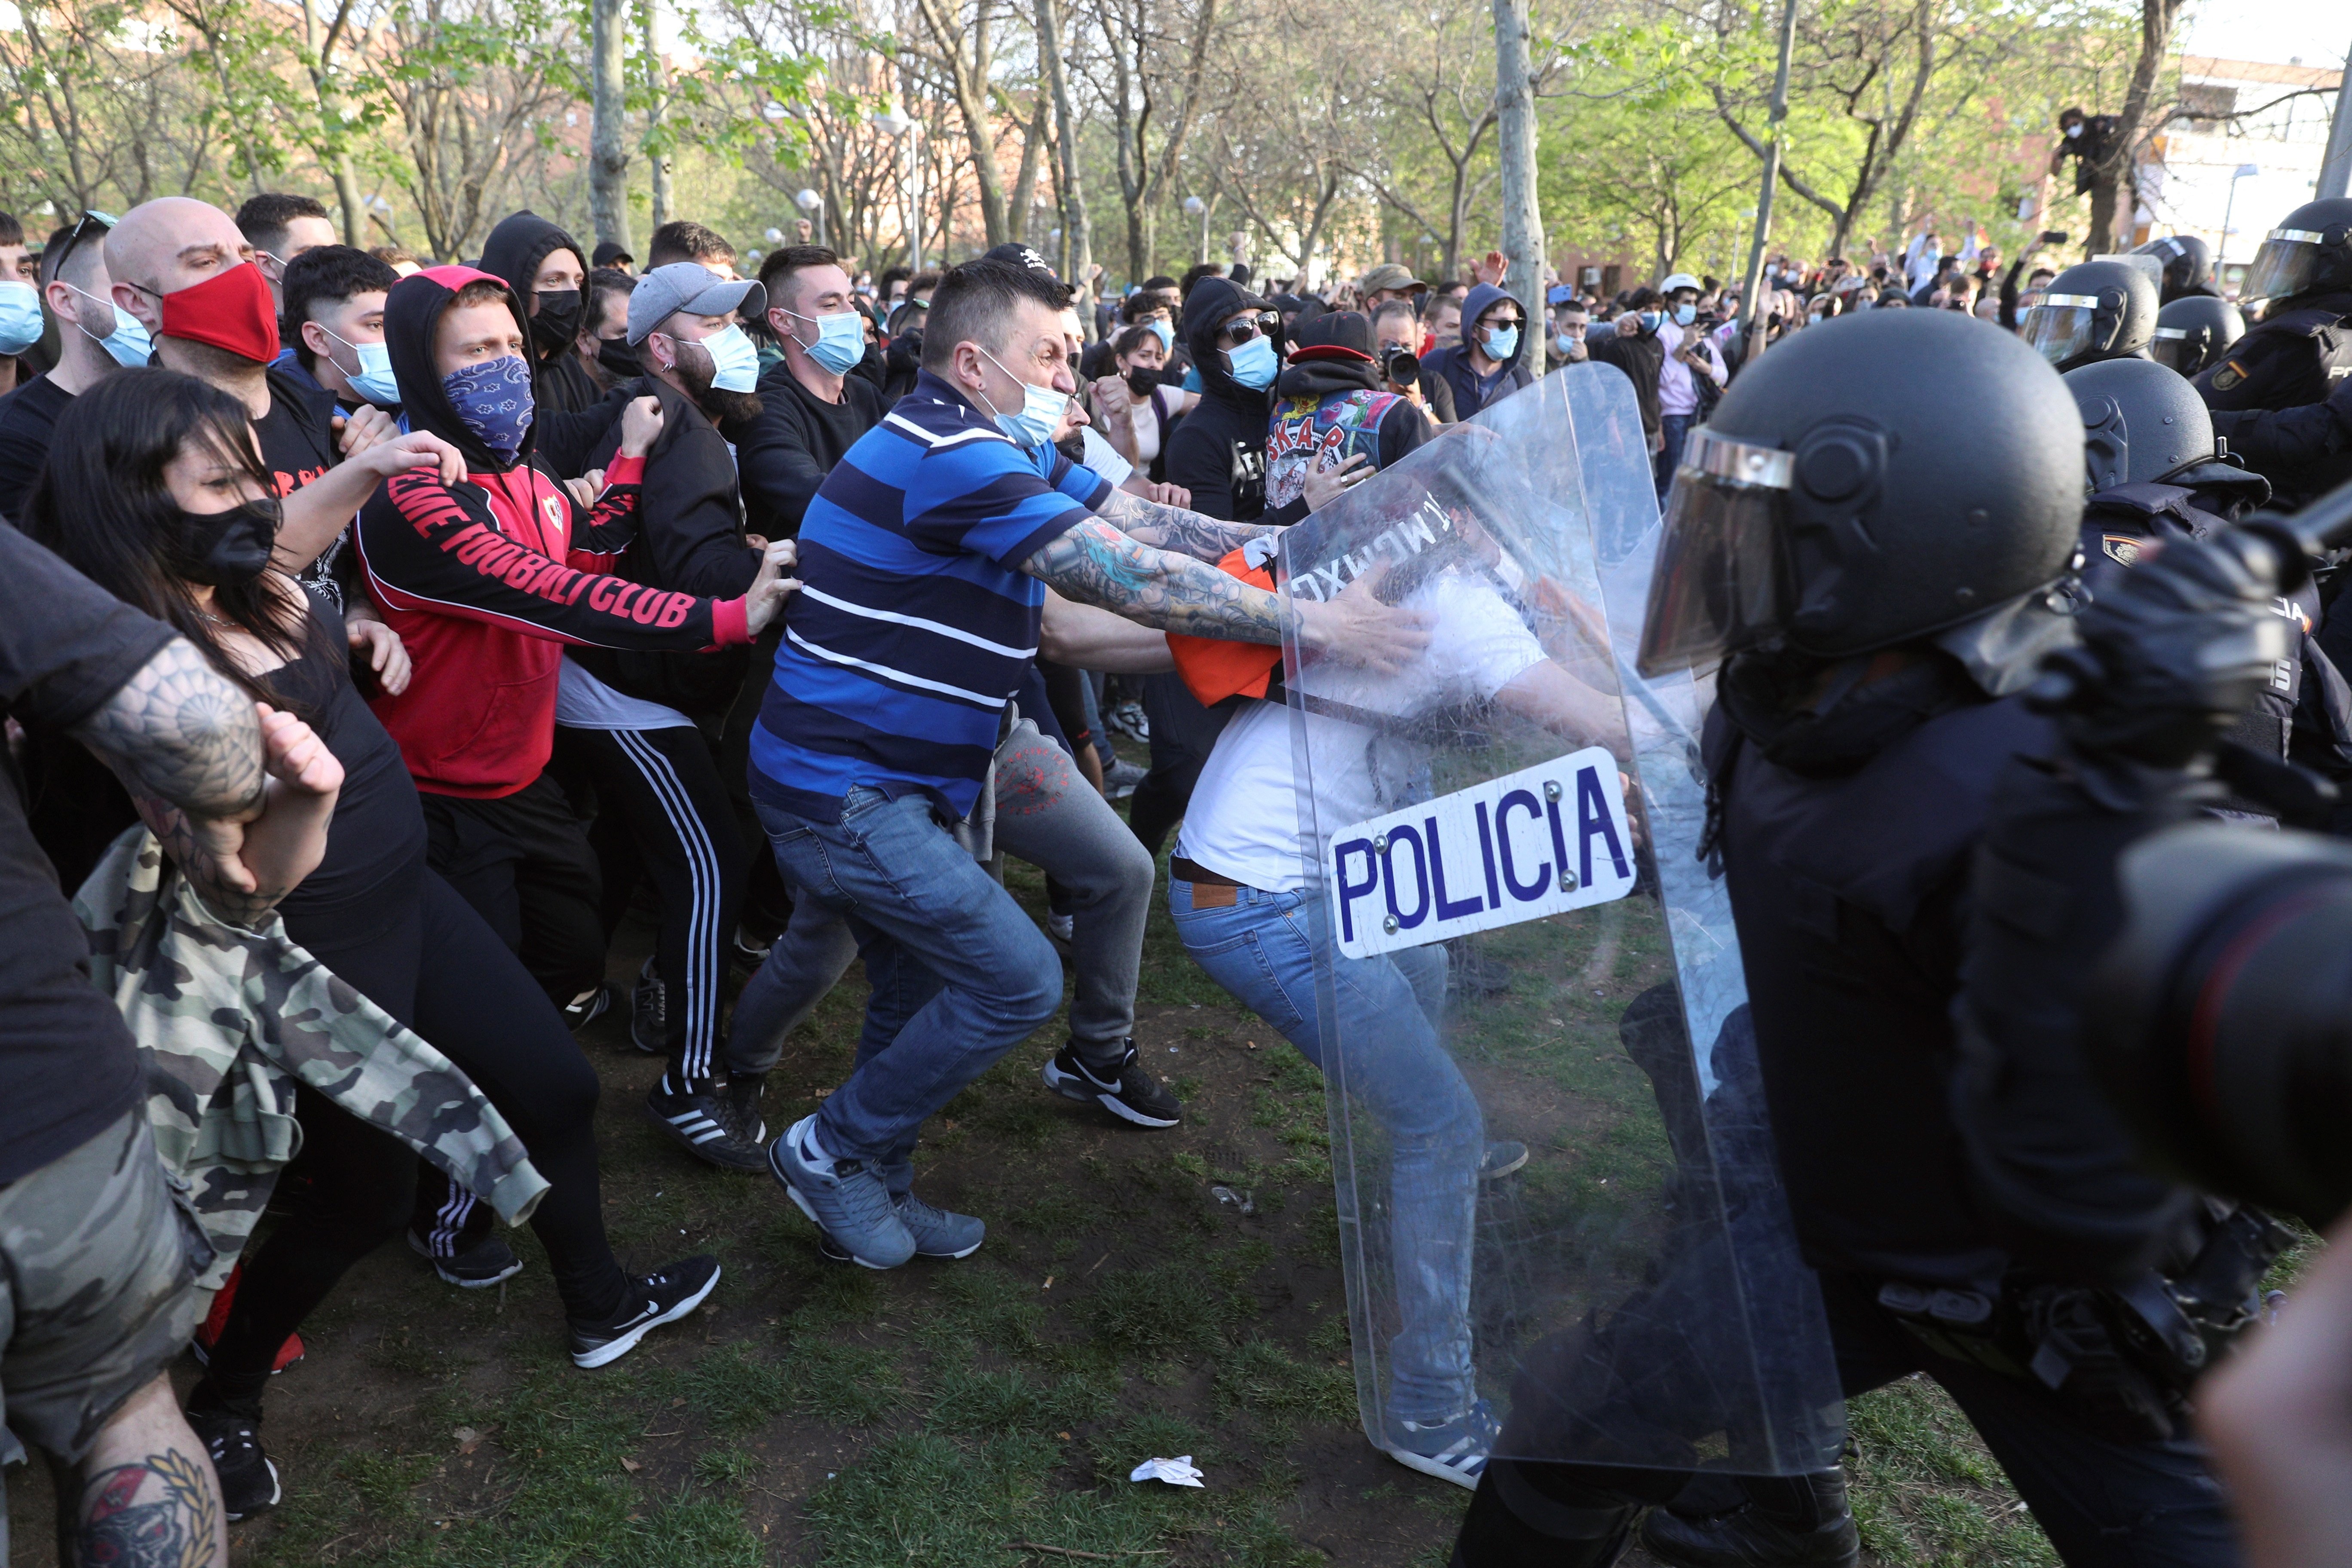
{"x":1178,"y":1471}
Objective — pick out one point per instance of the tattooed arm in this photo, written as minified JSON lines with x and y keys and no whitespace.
{"x":276,"y":848}
{"x":181,"y":732}
{"x":1174,"y":529}
{"x":1095,"y":563}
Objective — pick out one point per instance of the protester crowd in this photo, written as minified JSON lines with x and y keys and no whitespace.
{"x":377,"y":633}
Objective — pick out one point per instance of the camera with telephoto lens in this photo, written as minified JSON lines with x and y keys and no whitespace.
{"x":1400,"y":366}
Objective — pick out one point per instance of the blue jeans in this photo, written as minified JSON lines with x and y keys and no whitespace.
{"x":1674,"y":429}
{"x":1390,"y":1009}
{"x":960,"y":973}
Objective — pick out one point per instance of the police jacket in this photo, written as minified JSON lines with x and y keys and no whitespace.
{"x":2302,"y":451}
{"x":1846,"y":839}
{"x":2289,"y":359}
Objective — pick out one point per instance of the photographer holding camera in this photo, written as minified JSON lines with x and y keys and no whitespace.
{"x":1396,"y":333}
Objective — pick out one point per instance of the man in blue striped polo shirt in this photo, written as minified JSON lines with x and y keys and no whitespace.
{"x":923,"y":562}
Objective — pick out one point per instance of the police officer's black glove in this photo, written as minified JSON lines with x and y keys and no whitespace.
{"x":2169,"y":657}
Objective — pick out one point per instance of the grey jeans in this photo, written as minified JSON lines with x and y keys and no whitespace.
{"x":1047,"y":815}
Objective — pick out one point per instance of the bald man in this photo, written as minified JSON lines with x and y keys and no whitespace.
{"x":184,"y":271}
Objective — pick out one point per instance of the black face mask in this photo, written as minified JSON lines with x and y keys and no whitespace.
{"x":1143,"y":380}
{"x":618,"y":358}
{"x":227,"y":549}
{"x":558,"y":321}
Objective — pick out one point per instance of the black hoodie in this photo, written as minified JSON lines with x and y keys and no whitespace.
{"x":486,"y":579}
{"x":1218,"y":451}
{"x":573,"y":411}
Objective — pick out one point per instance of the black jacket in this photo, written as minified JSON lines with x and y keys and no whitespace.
{"x":1218,"y":452}
{"x":2285,"y":360}
{"x":786,"y":452}
{"x":689,"y":541}
{"x":1641,"y":357}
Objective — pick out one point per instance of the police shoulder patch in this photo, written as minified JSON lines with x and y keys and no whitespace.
{"x":2121,"y":548}
{"x":2230,"y":373}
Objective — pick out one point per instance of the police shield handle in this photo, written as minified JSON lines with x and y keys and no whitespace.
{"x":1533,"y":843}
{"x":1353,"y":625}
{"x":770,"y":588}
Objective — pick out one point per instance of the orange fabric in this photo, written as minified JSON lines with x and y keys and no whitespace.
{"x":1214,"y":670}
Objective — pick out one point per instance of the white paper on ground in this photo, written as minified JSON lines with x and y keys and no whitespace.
{"x":1177,"y":1472}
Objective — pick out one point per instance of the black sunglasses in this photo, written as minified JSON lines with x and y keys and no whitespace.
{"x":101,"y":222}
{"x":1234,"y":334}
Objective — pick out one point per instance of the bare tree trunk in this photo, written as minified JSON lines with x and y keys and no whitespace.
{"x":1515,"y":107}
{"x":1078,"y":242}
{"x":2111,"y":177}
{"x":656,"y":114}
{"x":968,"y":75}
{"x":1023,"y":211}
{"x":608,"y":147}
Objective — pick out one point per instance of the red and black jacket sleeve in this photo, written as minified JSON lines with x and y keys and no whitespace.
{"x":603,"y":530}
{"x":438,"y":549}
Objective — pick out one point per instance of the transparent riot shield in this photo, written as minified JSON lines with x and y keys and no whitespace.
{"x":1556,"y":1184}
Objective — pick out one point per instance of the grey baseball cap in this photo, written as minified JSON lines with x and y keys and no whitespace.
{"x":691,"y":287}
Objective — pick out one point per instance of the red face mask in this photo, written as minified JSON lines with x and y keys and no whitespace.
{"x":232,"y":312}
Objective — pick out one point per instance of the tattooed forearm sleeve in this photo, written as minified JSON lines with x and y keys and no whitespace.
{"x":1096,"y":565}
{"x":1173,"y":529}
{"x":182,"y":733}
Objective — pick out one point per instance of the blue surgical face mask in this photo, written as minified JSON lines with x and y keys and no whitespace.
{"x":1652,"y":319}
{"x":374,"y":381}
{"x":1041,"y":412}
{"x":840,"y":342}
{"x":1166,"y":329}
{"x":735,"y":363}
{"x":1562,"y":343}
{"x":20,"y":317}
{"x":1502,"y":343}
{"x":1686,"y":314}
{"x":129,"y":342}
{"x":494,"y":400}
{"x":1253,"y":363}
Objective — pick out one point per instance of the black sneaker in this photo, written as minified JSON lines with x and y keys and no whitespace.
{"x":749,"y":950}
{"x":1129,"y":1093}
{"x":249,"y":1481}
{"x":582,"y":1011}
{"x":1794,"y":1521}
{"x":742,"y":1101}
{"x":651,"y":1300}
{"x":484,"y":1264}
{"x":699,"y":1118}
{"x":649,"y":1012}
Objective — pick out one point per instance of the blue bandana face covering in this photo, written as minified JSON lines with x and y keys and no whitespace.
{"x":494,"y":400}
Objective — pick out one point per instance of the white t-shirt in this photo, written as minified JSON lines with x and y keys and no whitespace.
{"x":584,"y":703}
{"x":1243,"y":818}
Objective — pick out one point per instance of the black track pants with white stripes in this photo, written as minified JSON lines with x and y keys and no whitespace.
{"x":660,"y":804}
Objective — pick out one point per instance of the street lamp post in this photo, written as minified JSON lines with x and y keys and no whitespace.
{"x":900,"y":127}
{"x":2242,"y":171}
{"x":809,"y":202}
{"x":1195,"y":207}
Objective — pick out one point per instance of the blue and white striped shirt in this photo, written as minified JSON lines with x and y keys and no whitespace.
{"x":914,"y":622}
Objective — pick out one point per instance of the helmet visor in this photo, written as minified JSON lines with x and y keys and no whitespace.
{"x":1721,"y":582}
{"x":2179,"y":349}
{"x":2287,"y":264}
{"x":2063,"y":325}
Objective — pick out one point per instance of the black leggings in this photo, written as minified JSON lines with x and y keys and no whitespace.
{"x":440,"y":970}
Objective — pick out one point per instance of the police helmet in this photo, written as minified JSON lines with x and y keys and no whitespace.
{"x":2093,"y":310}
{"x":2309,"y":253}
{"x":1844,"y":497}
{"x":2188,"y":263}
{"x":2140,"y":421}
{"x":2194,"y":332}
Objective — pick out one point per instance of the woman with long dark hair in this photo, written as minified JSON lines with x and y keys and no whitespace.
{"x":155,"y":491}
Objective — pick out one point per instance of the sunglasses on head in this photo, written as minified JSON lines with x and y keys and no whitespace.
{"x":88,"y":223}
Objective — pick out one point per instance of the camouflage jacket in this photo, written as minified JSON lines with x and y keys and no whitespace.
{"x":229,"y":1020}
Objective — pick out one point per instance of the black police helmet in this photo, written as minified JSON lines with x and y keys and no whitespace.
{"x":2310,"y":252}
{"x":2094,"y":310}
{"x":2195,"y":330}
{"x":2188,"y":263}
{"x":1919,"y":468}
{"x":2140,"y":421}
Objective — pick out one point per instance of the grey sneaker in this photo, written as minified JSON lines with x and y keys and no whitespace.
{"x":1452,"y":1450}
{"x":938,"y":1232}
{"x":845,"y":1199}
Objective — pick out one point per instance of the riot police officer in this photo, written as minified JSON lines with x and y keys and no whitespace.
{"x":2188,"y":263}
{"x":2094,"y":310}
{"x":2301,"y":349}
{"x":2192,"y":332}
{"x":1882,"y":558}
